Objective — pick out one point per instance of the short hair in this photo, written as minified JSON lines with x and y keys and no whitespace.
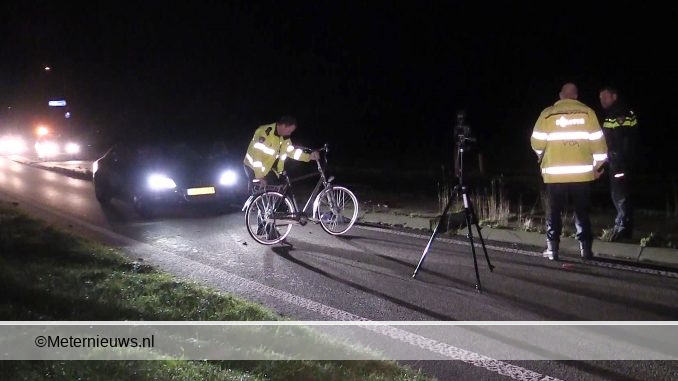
{"x":569,"y":91}
{"x":287,"y":120}
{"x":610,"y":89}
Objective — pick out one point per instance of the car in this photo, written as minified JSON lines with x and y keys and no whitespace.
{"x":158,"y":174}
{"x":12,"y":144}
{"x":57,"y":148}
{"x":55,"y":145}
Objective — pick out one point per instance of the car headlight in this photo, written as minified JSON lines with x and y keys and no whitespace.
{"x":12,"y":145}
{"x":72,"y":148}
{"x":228,"y":178}
{"x":160,"y":182}
{"x":46,"y":148}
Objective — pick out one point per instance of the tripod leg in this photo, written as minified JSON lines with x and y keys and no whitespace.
{"x":469,"y":223}
{"x":480,"y":235}
{"x":433,"y":236}
{"x":482,"y":241}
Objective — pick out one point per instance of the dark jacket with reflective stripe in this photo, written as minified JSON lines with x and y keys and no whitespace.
{"x":620,"y":126}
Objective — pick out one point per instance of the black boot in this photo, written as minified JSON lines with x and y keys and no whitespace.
{"x":586,"y":249}
{"x":551,"y":251}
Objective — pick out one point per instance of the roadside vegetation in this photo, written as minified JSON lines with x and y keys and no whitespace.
{"x":47,"y":274}
{"x":495,"y":208}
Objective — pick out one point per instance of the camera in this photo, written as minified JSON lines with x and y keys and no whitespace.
{"x":461,"y":129}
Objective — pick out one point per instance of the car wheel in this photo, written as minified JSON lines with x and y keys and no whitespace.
{"x":141,"y":207}
{"x":102,"y":191}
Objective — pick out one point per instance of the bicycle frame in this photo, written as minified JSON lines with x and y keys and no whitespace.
{"x":323,"y":183}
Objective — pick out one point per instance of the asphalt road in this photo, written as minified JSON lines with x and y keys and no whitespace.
{"x":366,"y":275}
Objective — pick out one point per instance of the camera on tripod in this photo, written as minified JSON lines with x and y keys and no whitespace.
{"x":462,"y":130}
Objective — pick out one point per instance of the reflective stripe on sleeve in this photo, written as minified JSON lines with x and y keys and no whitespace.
{"x":599,"y":156}
{"x":596,"y":135}
{"x":264,"y":149}
{"x":255,"y":164}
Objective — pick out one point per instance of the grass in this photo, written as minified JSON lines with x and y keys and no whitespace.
{"x":49,"y":275}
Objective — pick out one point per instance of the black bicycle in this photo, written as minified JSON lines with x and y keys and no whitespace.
{"x":270,"y":212}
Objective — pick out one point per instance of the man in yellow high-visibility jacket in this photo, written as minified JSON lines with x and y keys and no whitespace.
{"x":571,"y":148}
{"x":270,"y":147}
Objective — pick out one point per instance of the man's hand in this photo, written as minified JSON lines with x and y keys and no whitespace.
{"x":597,"y":172}
{"x":315,"y":155}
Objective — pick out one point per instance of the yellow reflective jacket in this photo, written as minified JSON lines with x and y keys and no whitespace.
{"x":267,"y":146}
{"x":569,"y":142}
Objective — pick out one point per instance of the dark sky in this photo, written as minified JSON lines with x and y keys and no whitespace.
{"x":378,"y":80}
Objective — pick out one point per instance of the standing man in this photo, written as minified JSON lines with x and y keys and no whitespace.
{"x":269,"y":148}
{"x":619,"y":126}
{"x":571,"y":149}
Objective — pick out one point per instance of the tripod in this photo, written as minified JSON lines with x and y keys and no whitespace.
{"x":469,"y":214}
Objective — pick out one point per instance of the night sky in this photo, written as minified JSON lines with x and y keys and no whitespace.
{"x":380,"y":81}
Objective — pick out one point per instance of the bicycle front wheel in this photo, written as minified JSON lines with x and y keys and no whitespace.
{"x":337,"y":209}
{"x":260,"y":218}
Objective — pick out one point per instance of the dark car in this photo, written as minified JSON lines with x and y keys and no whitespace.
{"x":170,"y":173}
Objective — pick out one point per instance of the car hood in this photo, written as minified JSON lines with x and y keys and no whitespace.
{"x":192,"y":172}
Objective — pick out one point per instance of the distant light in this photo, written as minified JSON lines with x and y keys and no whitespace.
{"x":42,"y":130}
{"x":72,"y":148}
{"x":59,"y":103}
{"x":67,"y":115}
{"x":46,"y":149}
{"x":47,"y":68}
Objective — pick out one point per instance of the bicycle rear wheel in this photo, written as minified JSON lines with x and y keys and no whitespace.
{"x":337,"y":209}
{"x":260,"y":218}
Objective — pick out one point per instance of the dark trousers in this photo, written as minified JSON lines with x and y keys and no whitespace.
{"x":558,"y":194}
{"x":621,"y":198}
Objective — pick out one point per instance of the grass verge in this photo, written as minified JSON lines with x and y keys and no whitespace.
{"x":49,"y":275}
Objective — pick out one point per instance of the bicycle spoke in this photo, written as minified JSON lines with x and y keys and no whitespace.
{"x":337,"y":210}
{"x":260,"y":218}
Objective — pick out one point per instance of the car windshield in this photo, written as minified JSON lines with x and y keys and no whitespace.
{"x":184,"y":151}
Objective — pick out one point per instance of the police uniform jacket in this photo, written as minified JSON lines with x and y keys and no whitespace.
{"x":569,"y":142}
{"x":620,"y":126}
{"x":268,"y":150}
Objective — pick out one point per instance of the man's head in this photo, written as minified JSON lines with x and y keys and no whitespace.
{"x":607,"y":96}
{"x":569,"y":91}
{"x":286,"y":125}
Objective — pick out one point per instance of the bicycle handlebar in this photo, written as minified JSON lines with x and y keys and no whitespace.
{"x":325,"y":148}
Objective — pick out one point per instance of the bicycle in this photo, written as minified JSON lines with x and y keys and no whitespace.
{"x":271,"y":212}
